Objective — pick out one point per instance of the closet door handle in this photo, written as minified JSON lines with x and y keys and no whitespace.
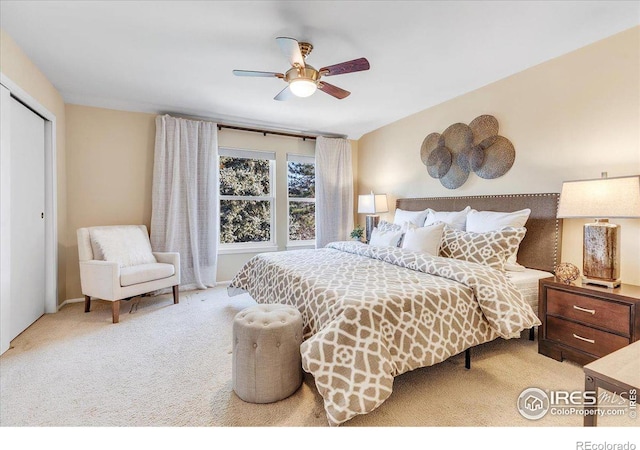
{"x":590,"y":311}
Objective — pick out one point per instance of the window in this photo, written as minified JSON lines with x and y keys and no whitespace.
{"x":247,"y":198}
{"x":301,"y":184}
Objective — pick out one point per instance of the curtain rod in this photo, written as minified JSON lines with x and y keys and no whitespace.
{"x":265,"y":132}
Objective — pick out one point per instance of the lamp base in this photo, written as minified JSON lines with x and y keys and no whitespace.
{"x":601,"y":256}
{"x":605,"y":283}
{"x":372,"y":222}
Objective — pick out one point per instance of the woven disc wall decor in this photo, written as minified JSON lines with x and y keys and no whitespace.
{"x":455,"y":177}
{"x":483,"y":128}
{"x":498,"y":159}
{"x":430,"y":143}
{"x":457,"y":138}
{"x":435,"y":155}
{"x":462,"y":149}
{"x":471,"y":158}
{"x":439,"y":162}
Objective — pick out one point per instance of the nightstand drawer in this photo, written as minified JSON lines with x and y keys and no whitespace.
{"x":589,"y":340}
{"x":602,"y":313}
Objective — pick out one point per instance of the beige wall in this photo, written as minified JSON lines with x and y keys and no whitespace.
{"x":110,"y":168}
{"x":569,"y":118}
{"x":21,"y":70}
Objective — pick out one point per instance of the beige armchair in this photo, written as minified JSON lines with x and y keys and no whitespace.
{"x":117,"y":263}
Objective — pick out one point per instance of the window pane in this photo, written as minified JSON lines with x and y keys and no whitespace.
{"x":245,"y":221}
{"x":302,"y":221}
{"x":242,"y":176}
{"x":302,"y":180}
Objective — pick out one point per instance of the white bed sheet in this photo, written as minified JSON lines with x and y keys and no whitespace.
{"x":527,"y":283}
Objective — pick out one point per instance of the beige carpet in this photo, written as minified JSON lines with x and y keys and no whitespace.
{"x":167,"y":365}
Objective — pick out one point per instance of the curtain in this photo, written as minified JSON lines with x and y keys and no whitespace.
{"x":334,"y":190}
{"x":184,"y":216}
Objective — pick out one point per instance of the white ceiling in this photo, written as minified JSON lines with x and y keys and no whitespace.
{"x":177,"y":56}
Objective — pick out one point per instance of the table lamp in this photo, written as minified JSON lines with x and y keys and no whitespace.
{"x":371,"y":205}
{"x":602,"y":199}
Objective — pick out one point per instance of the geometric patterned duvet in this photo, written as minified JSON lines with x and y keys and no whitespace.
{"x":372,"y":313}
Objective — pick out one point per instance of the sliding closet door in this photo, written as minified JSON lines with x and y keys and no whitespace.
{"x":27,"y":144}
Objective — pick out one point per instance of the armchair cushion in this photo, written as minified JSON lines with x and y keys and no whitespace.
{"x":126,"y":245}
{"x":145,"y":272}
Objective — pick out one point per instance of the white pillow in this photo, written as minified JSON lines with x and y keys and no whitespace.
{"x":415,"y":217}
{"x":424,"y":239}
{"x":483,"y":221}
{"x":385,"y":238}
{"x":455,"y":219}
{"x":126,"y":245}
{"x":387,"y":226}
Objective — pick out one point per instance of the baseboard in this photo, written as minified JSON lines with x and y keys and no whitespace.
{"x":70,"y":300}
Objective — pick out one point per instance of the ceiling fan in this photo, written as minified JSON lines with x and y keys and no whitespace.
{"x":303,"y":79}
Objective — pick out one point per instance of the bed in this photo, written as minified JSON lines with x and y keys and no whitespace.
{"x":371,"y":313}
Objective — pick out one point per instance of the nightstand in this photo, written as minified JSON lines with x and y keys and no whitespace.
{"x":583,"y":323}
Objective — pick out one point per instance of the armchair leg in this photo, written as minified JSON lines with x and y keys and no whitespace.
{"x":115,"y":311}
{"x":87,"y":303}
{"x":176,"y":295}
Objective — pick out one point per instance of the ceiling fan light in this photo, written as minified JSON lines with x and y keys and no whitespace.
{"x":302,"y":87}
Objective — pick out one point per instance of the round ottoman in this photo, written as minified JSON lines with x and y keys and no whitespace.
{"x":266,"y":353}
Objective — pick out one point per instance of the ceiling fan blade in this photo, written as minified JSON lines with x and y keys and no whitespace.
{"x":284,"y":94}
{"x":332,"y":90}
{"x":355,"y":65}
{"x":291,"y":50}
{"x":254,"y":73}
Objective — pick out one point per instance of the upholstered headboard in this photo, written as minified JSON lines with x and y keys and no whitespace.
{"x":540,"y":248}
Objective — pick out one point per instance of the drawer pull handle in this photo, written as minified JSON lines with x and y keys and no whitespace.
{"x":590,"y":311}
{"x":590,"y":341}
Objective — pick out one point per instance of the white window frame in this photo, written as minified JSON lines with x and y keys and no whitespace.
{"x":251,"y":247}
{"x":306,"y":159}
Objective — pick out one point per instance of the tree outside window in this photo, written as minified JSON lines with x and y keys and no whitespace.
{"x":246,"y":196}
{"x":301,"y":184}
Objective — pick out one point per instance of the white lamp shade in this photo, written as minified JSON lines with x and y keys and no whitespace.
{"x":601,"y":198}
{"x":372,"y":204}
